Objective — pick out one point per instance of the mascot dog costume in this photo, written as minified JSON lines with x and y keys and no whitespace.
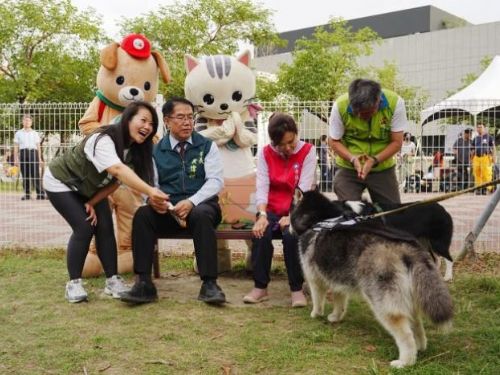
{"x":128,"y":72}
{"x":222,"y":89}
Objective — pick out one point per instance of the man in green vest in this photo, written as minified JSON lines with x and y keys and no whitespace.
{"x":366,"y":129}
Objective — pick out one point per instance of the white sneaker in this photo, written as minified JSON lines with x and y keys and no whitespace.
{"x":115,"y":286}
{"x":75,"y":291}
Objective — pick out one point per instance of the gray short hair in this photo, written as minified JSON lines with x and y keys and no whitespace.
{"x":363,"y":94}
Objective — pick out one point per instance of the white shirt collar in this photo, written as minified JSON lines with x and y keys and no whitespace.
{"x":174,"y":141}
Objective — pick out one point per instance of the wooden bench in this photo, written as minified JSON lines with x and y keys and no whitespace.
{"x":223,"y":232}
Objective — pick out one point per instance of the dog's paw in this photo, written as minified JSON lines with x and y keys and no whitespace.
{"x":315,"y":314}
{"x":422,"y":344}
{"x":334,"y":317}
{"x":398,"y":363}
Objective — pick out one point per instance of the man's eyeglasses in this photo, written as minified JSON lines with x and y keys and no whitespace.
{"x":182,"y":118}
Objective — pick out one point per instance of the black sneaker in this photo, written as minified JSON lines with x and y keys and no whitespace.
{"x":211,"y":293}
{"x":40,"y":197}
{"x":141,"y":292}
{"x":25,"y":198}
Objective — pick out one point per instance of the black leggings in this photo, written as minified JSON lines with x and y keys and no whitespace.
{"x":71,"y":206}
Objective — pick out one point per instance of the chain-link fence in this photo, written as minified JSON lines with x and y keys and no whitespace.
{"x":435,"y":158}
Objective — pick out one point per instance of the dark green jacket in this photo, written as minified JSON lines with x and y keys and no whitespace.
{"x":75,"y":170}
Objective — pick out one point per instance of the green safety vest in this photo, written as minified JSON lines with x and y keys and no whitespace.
{"x":367,"y":137}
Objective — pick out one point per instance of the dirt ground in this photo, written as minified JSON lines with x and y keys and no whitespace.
{"x":185,"y":286}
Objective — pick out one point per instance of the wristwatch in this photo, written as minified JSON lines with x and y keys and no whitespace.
{"x":261,"y":213}
{"x":375,"y":160}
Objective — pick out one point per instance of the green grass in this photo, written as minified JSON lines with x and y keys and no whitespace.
{"x":40,"y":333}
{"x":11,"y":186}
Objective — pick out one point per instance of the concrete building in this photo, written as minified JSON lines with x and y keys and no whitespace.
{"x":433,"y":49}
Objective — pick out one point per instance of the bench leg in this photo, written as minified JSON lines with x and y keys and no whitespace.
{"x":223,"y":256}
{"x":156,"y":262}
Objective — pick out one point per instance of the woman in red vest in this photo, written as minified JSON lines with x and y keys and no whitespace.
{"x":282,"y":166}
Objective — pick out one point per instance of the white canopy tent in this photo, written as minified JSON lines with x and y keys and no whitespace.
{"x":481,"y":97}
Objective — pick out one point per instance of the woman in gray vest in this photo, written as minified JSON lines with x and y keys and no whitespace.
{"x":78,"y":182}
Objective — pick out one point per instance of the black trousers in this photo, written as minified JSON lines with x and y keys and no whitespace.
{"x":262,"y":256}
{"x":463,"y":176}
{"x":71,"y":207}
{"x":30,"y":170}
{"x":148,"y":225}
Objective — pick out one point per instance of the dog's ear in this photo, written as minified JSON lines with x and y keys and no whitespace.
{"x":162,"y":66}
{"x":297,"y":196}
{"x":109,"y":56}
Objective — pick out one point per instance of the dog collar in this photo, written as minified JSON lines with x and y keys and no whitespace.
{"x":108,"y":102}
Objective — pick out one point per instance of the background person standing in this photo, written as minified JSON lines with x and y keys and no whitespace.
{"x":28,"y":156}
{"x":462,"y":150}
{"x":324,"y":164}
{"x":483,"y":155}
{"x":406,"y":159}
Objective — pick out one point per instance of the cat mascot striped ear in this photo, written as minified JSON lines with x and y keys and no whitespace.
{"x":222,"y":89}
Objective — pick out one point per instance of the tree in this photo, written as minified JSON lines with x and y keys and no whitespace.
{"x":203,"y":27}
{"x":48,"y":51}
{"x":388,"y":76}
{"x":323,"y":66}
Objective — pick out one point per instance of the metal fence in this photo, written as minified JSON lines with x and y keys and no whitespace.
{"x":428,"y":165}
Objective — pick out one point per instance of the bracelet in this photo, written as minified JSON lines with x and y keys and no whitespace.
{"x":375,"y":160}
{"x":351,"y":160}
{"x":261,"y":213}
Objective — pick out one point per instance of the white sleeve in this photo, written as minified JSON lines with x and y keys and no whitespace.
{"x":105,"y":154}
{"x":214,"y":180}
{"x":335,"y":124}
{"x":399,"y":121}
{"x":308,"y":174}
{"x":16,"y":138}
{"x":262,"y":179}
{"x":156,"y":179}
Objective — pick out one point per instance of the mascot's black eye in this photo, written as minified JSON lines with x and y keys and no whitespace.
{"x":147,"y":86}
{"x":237,"y":95}
{"x":208,"y":98}
{"x":120,"y":80}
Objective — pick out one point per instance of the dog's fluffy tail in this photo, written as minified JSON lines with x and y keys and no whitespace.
{"x":431,"y":293}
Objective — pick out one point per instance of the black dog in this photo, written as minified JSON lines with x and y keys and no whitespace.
{"x":429,"y":222}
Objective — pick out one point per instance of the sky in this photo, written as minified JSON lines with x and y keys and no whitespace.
{"x":297,"y":14}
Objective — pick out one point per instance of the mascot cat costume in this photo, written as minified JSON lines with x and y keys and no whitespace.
{"x":222,"y":89}
{"x":128,"y":72}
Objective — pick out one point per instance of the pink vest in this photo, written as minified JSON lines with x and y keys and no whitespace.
{"x":284,"y":176}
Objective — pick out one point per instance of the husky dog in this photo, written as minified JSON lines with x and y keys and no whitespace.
{"x":395,"y":275}
{"x":429,"y":222}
